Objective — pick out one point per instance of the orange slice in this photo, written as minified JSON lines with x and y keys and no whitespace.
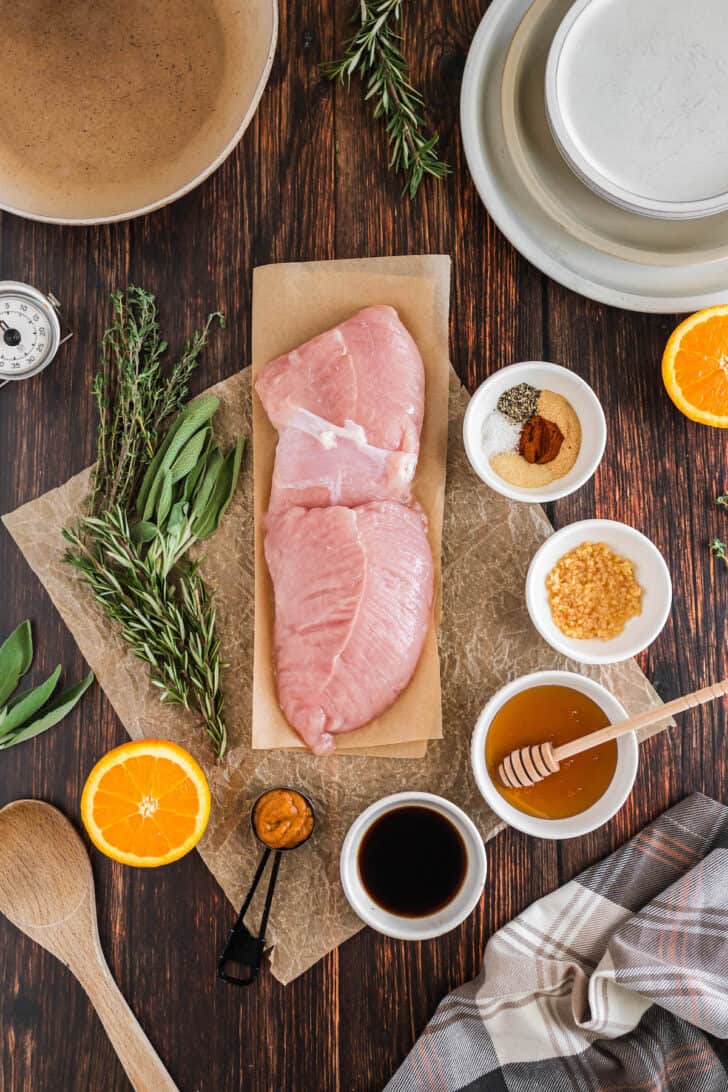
{"x":695,"y":367}
{"x":146,"y":803}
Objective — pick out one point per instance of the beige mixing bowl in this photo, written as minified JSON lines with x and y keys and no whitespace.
{"x":113,"y":109}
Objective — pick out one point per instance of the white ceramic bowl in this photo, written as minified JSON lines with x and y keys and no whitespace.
{"x":651,"y":573}
{"x":634,"y":115}
{"x":543,"y":376}
{"x":607,"y":805}
{"x":432,"y":925}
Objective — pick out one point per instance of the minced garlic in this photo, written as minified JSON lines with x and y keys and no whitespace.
{"x":593,"y":592}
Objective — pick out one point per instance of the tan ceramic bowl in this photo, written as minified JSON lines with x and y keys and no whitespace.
{"x":106,"y":119}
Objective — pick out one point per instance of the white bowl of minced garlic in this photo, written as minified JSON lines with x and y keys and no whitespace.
{"x":534,"y":432}
{"x":598,"y":591}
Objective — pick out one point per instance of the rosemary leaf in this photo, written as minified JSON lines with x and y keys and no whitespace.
{"x":719,"y":550}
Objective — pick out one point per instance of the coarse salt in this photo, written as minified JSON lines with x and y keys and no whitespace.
{"x":499,"y":434}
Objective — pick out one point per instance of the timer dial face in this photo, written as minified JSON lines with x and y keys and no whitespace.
{"x":29,"y":333}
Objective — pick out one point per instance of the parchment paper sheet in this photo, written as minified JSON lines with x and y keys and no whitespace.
{"x":486,"y":639}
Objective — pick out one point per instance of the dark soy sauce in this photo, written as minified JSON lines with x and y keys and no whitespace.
{"x":412,"y":861}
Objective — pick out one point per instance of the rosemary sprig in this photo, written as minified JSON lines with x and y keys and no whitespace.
{"x":722,"y":501}
{"x":135,"y":399}
{"x":373,"y":53}
{"x":169,"y":624}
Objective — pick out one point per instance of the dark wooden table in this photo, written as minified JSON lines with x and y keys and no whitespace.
{"x":309,"y":181}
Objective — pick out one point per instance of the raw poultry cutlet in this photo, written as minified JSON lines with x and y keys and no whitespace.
{"x":353,"y":600}
{"x":348,"y":406}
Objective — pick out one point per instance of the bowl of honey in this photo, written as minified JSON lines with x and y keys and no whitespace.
{"x":554,"y":706}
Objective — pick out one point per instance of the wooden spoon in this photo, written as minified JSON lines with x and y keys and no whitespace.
{"x":524,"y":768}
{"x":47,"y":890}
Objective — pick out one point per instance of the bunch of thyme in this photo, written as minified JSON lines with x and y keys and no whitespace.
{"x":135,"y":399}
{"x":374,"y":54}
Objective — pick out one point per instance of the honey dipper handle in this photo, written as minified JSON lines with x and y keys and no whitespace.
{"x":642,"y":720}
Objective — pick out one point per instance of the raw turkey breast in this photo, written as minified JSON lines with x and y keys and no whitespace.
{"x":318,"y":463}
{"x":353,"y":596}
{"x":348,"y":406}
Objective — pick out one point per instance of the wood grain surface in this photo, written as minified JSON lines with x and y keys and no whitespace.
{"x":309,"y":181}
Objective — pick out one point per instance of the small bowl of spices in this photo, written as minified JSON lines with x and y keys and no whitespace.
{"x":598,"y":591}
{"x":534,"y":432}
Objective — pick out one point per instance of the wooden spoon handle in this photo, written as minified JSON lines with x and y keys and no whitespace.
{"x":140,"y":1060}
{"x":642,"y":720}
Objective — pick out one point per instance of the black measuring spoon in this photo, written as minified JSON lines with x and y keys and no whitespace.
{"x":242,"y":948}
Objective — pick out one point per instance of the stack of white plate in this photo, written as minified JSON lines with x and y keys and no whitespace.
{"x":597,"y":136}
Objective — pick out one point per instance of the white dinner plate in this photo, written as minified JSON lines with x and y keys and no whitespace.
{"x":553,"y":219}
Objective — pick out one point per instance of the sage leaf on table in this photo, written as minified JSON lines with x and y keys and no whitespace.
{"x":30,"y":712}
{"x":51,"y":715}
{"x":16,"y":656}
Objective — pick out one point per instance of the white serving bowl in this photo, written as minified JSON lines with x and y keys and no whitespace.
{"x":599,"y":813}
{"x":543,"y":376}
{"x":651,"y":573}
{"x":431,"y":925}
{"x":635,"y":116}
{"x":249,"y":32}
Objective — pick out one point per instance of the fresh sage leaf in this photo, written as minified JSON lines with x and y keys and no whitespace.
{"x":165,"y":499}
{"x":177,"y":516}
{"x":193,"y":478}
{"x":189,"y":420}
{"x":190,"y":454}
{"x":143,"y":532}
{"x":16,"y":656}
{"x":213,"y":465}
{"x":28,"y":704}
{"x":51,"y":715}
{"x":222,"y":494}
{"x":152,"y":497}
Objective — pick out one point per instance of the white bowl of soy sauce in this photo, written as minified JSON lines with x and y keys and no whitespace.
{"x":413,"y":866}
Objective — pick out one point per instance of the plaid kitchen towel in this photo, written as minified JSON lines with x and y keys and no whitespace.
{"x":617,"y":982}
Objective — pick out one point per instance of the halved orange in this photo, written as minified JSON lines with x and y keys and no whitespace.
{"x":146,"y":803}
{"x":695,"y":367}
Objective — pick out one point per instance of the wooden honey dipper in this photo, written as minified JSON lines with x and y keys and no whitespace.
{"x":524,"y":768}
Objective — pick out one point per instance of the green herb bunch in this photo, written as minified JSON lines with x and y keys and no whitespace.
{"x":33,"y":711}
{"x":135,"y":399}
{"x":373,"y":53}
{"x":175,"y":487}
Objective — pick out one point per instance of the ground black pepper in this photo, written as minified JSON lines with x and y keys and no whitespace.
{"x":519,"y":403}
